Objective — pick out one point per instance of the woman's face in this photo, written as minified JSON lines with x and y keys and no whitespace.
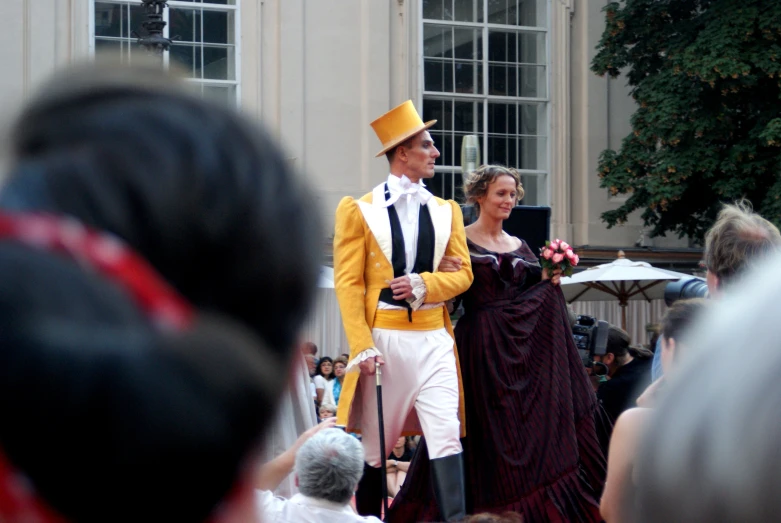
{"x":400,"y":443}
{"x":500,"y":198}
{"x":326,"y":368}
{"x":339,"y":369}
{"x":326,"y":413}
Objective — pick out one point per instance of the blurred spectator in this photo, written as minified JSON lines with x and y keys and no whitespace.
{"x":309,"y":347}
{"x":653,"y":330}
{"x":323,"y":374}
{"x":398,"y":465}
{"x":296,"y":413}
{"x":333,"y":388}
{"x":738,"y":240}
{"x":327,"y":410}
{"x":328,"y":467}
{"x":629,"y":370}
{"x":632,"y":423}
{"x":138,"y":351}
{"x":311,"y":363}
{"x":345,"y":356}
{"x":711,"y":452}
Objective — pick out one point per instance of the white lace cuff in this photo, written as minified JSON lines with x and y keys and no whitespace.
{"x":362,"y":356}
{"x":418,"y":290}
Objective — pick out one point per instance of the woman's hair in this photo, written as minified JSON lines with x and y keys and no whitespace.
{"x":680,"y":316}
{"x":476,"y":183}
{"x":203,"y":194}
{"x":710,"y":452}
{"x":325,"y":359}
{"x":341,"y":360}
{"x":107,"y":415}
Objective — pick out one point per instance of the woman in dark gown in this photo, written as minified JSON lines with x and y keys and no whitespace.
{"x":531,"y":441}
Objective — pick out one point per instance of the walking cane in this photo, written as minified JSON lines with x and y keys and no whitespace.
{"x":383,"y":457}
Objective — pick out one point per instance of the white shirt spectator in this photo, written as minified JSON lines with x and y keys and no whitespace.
{"x":303,"y":509}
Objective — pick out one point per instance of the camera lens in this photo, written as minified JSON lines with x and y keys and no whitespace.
{"x":684,"y":289}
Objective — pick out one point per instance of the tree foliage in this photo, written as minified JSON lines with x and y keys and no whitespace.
{"x":706,"y":76}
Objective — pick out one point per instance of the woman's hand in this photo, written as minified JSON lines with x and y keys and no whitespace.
{"x":555,"y":279}
{"x":450,"y":264}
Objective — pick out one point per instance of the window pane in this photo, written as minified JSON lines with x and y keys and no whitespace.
{"x":118,"y":20}
{"x":531,"y":48}
{"x":437,"y":41}
{"x":532,"y":13}
{"x":217,"y":2}
{"x":197,"y":25}
{"x":529,"y":13}
{"x":497,"y":11}
{"x":433,"y":9}
{"x":465,"y":116}
{"x":213,"y":63}
{"x":468,"y":10}
{"x":533,"y":188}
{"x":532,"y":81}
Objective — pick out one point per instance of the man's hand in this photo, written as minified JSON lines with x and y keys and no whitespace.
{"x":555,"y":279}
{"x":450,"y":264}
{"x":401,"y":287}
{"x":327,"y":423}
{"x":368,"y":366}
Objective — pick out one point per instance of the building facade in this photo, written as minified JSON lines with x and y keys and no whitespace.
{"x":516,"y":73}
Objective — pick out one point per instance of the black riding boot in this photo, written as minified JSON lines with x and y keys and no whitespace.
{"x":447,"y":474}
{"x":368,"y":497}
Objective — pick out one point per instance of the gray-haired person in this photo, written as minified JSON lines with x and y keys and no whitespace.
{"x":328,"y":467}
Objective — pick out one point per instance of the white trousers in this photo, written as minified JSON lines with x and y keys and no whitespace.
{"x":419,"y":373}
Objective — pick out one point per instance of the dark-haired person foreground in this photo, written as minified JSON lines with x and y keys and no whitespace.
{"x":148,"y":300}
{"x":629,"y":373}
{"x":531,"y":444}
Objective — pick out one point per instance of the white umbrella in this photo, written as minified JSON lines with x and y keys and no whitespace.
{"x":621,"y":279}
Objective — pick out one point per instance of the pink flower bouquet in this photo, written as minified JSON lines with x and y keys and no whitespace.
{"x":558,"y":255}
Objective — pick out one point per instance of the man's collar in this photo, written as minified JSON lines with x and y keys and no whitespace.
{"x":321,"y":503}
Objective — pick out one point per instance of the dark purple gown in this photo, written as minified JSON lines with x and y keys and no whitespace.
{"x":531,"y":441}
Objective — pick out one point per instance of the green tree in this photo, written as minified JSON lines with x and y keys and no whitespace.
{"x":706,"y":76}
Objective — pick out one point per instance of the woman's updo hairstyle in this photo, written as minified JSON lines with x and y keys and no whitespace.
{"x":476,"y":183}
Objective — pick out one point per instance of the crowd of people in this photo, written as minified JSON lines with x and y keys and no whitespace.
{"x":140,"y":367}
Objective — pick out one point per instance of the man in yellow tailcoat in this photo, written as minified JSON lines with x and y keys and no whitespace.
{"x":387,"y":246}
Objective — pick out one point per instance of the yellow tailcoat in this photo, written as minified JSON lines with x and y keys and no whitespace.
{"x":362,"y":268}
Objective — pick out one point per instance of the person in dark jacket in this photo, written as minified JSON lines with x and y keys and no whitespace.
{"x":629,"y":373}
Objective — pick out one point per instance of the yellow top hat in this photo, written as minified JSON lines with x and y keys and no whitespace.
{"x":397,"y":125}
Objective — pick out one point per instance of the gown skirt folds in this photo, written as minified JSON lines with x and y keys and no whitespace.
{"x":533,"y":425}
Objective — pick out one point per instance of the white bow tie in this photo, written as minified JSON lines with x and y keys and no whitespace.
{"x":412,"y":192}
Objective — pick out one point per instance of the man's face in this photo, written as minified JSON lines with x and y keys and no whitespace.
{"x":419,"y":156}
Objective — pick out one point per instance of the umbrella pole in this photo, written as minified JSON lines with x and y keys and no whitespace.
{"x":623,"y":315}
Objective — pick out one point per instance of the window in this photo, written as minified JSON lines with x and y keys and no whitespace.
{"x":485,"y":72}
{"x":204,"y":33}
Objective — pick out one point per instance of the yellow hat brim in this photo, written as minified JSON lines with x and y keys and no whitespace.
{"x":404,"y":137}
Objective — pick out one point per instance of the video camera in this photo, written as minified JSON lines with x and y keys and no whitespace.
{"x":591,"y":340}
{"x":684,"y":289}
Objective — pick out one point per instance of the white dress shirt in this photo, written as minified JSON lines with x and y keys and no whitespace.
{"x":407,"y":197}
{"x":303,"y":509}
